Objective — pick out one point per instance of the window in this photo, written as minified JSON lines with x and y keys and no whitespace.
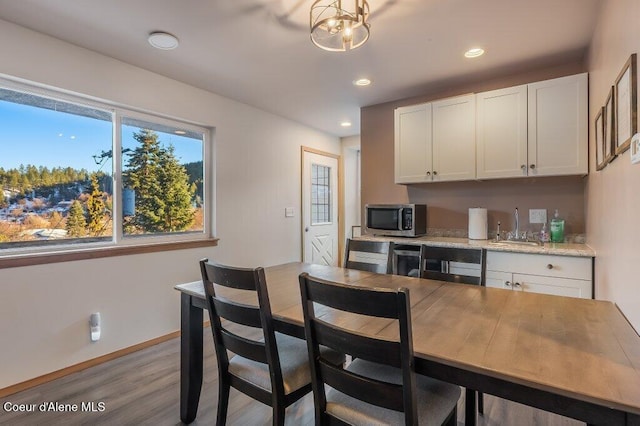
{"x":320,"y":194}
{"x":76,"y":172}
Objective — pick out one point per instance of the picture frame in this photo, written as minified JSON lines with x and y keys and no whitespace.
{"x":626,"y":107}
{"x":599,"y":132}
{"x":609,"y":128}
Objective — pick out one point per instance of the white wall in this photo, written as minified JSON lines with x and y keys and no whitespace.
{"x":44,"y":309}
{"x":351,"y":164}
{"x":613,"y":199}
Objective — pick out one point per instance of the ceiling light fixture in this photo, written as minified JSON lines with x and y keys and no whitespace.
{"x":474,"y":53}
{"x":163,"y":41}
{"x":336,"y":29}
{"x":346,"y":124}
{"x":362,"y":82}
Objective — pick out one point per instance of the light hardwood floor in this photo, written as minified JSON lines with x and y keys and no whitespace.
{"x":143,"y":389}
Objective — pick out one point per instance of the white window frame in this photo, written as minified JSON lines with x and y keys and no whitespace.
{"x":118,"y":111}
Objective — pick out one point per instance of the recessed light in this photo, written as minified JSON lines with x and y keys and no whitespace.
{"x":163,"y":41}
{"x":474,"y":53}
{"x":346,"y":124}
{"x":362,"y":82}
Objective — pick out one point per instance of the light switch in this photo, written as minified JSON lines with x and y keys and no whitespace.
{"x":537,"y":215}
{"x":288,"y":212}
{"x":635,"y":149}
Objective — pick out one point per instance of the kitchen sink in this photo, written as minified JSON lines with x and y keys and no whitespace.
{"x":506,"y":243}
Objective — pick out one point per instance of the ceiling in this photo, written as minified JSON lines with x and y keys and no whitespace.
{"x":259,"y":52}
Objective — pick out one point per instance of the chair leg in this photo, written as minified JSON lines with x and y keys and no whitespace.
{"x":223,"y":402}
{"x":470,"y":407}
{"x":480,"y":403}
{"x":278,"y":414}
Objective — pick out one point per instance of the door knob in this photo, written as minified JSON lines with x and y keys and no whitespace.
{"x":306,"y":229}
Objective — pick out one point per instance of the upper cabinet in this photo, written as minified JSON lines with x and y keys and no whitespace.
{"x":413,"y":146}
{"x":501,"y":135}
{"x":558,"y":116}
{"x":537,"y":129}
{"x":454,"y":147}
{"x":435,"y":142}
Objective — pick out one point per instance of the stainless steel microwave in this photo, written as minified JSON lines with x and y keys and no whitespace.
{"x":397,"y":220}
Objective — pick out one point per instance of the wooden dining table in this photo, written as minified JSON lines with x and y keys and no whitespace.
{"x":579,"y":358}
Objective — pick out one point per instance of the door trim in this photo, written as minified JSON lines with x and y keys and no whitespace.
{"x":310,"y":150}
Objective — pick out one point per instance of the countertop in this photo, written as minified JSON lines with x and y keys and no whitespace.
{"x":560,"y":249}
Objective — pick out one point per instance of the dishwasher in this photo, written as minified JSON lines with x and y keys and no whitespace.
{"x":406,"y":260}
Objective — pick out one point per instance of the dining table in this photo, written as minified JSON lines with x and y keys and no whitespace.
{"x":579,"y":358}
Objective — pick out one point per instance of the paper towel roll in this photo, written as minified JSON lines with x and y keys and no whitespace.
{"x":478,"y":224}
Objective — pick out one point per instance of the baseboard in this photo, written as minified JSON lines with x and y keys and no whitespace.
{"x":19,"y":387}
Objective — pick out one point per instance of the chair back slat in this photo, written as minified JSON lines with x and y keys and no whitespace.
{"x":244,"y":347}
{"x":380,"y":259}
{"x":451,"y":254}
{"x":382,"y":394}
{"x":359,"y":300}
{"x":229,"y":276}
{"x":357,"y":345}
{"x":239,"y":313}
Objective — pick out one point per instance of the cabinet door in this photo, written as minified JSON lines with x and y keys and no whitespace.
{"x":497,"y":279}
{"x":413,"y":144}
{"x":454,"y":147}
{"x":555,"y":286}
{"x":558,"y":138}
{"x":501,"y":133}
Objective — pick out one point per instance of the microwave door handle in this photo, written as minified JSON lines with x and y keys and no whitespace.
{"x":400,"y":219}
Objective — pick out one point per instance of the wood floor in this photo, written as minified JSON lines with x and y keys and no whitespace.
{"x":143,"y":389}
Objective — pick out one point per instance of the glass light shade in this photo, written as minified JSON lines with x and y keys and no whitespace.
{"x":336,"y":28}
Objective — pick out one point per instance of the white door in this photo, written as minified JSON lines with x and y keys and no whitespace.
{"x":320,"y":208}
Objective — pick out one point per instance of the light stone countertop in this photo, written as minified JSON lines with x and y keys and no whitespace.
{"x":561,"y":249}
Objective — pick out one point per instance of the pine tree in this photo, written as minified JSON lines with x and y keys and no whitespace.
{"x":76,"y":222}
{"x":95,"y":208}
{"x":161,"y":184}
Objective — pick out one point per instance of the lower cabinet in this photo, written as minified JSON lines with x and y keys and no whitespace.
{"x":537,"y":273}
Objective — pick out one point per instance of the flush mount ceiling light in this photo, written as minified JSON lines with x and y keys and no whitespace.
{"x":337,"y":29}
{"x":362,"y":82}
{"x":474,"y":53}
{"x":345,"y":124}
{"x":163,"y":41}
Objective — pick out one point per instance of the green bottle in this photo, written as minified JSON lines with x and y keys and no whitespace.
{"x":557,"y":228}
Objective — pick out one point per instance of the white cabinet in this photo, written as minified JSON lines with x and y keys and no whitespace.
{"x":435,"y":141}
{"x":539,"y":129}
{"x":501,"y":134}
{"x":538,"y":273}
{"x":454,"y":146}
{"x":413,"y":144}
{"x":558,"y":138}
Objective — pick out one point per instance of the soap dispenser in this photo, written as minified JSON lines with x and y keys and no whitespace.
{"x":544,"y":234}
{"x":557,"y":228}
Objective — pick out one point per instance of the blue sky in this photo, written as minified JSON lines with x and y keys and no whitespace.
{"x":43,"y":137}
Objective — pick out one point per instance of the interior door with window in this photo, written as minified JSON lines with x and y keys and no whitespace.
{"x":320,"y":208}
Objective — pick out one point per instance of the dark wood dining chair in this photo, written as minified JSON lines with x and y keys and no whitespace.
{"x":273,"y":369}
{"x":380,"y":385}
{"x":452,"y":254}
{"x":372,"y":256}
{"x":462,"y":255}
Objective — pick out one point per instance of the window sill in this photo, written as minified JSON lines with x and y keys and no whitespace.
{"x":96,"y":253}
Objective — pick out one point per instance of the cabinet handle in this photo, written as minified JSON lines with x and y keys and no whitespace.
{"x":549,"y":266}
{"x":507,"y":283}
{"x":523,"y":167}
{"x":533,"y":166}
{"x":435,"y":173}
{"x":516,"y":285}
{"x":428,"y":173}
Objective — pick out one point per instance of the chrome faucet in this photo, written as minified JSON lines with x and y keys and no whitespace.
{"x":517,"y":231}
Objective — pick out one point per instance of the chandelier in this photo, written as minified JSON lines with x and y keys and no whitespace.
{"x":337,"y":29}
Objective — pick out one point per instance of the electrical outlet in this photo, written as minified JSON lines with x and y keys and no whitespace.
{"x":537,"y":215}
{"x":635,"y":149}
